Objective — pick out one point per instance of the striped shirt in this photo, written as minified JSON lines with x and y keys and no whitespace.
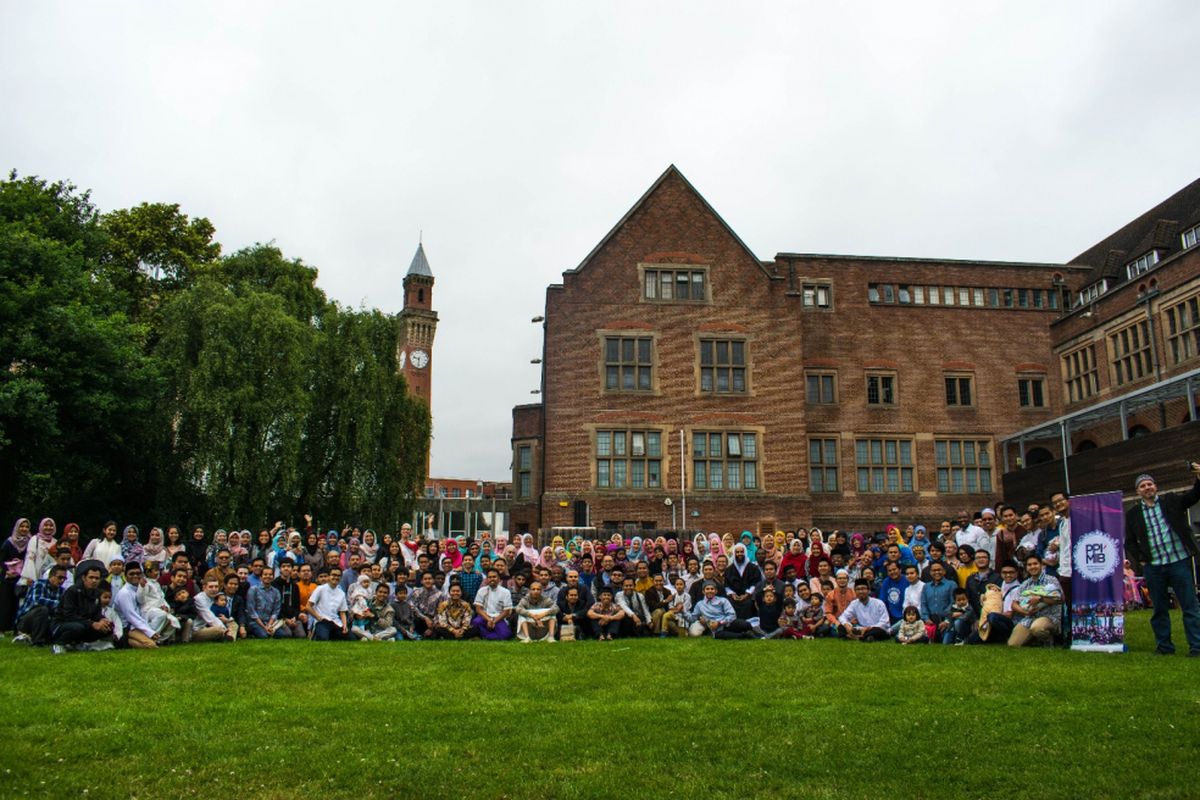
{"x":1165,"y":546}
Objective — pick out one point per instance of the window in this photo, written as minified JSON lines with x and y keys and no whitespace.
{"x":935,"y":296}
{"x":919,"y":295}
{"x":885,"y":466}
{"x":525,"y":471}
{"x":822,"y":465}
{"x":1031,"y":392}
{"x":993,"y":297}
{"x":958,"y":390}
{"x":628,"y":366}
{"x":964,"y":296}
{"x":1189,"y":237}
{"x":1080,"y":376}
{"x":455,"y":493}
{"x":723,"y":366}
{"x":1131,"y":353}
{"x":820,"y":388}
{"x":816,"y":295}
{"x":977,"y":296}
{"x":904,"y":294}
{"x":675,"y":284}
{"x":628,"y":459}
{"x":948,"y":295}
{"x":963,"y":466}
{"x":881,"y":390}
{"x":1023,"y":298}
{"x":1093,"y":292}
{"x":1183,"y":329}
{"x":725,"y":461}
{"x":881,"y":292}
{"x":1141,"y":264}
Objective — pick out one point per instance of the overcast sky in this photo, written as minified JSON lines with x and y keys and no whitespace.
{"x":516,"y":134}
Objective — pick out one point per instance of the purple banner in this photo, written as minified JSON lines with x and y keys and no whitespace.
{"x":1097,"y":572}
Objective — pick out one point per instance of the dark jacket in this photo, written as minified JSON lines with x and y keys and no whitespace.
{"x":78,"y":605}
{"x":1174,"y":509}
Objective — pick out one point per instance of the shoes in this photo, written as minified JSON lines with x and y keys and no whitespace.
{"x":22,"y":638}
{"x":1193,"y":653}
{"x":96,"y":647}
{"x":1161,"y":652}
{"x":58,"y":649}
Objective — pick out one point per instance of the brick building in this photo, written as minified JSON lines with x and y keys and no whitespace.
{"x":833,"y":390}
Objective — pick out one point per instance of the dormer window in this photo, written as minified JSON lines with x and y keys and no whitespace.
{"x":1093,"y":292}
{"x":681,"y":284}
{"x":1190,"y":237}
{"x":1141,"y":264}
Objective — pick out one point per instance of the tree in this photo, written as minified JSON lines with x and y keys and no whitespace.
{"x":75,"y":387}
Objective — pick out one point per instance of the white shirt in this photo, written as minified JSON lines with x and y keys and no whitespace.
{"x":970,"y":535}
{"x":203,"y":604}
{"x":126,"y":602}
{"x":493,"y":601}
{"x":328,"y":602}
{"x":871,"y":614}
{"x":1064,"y":548}
{"x":912,"y":594}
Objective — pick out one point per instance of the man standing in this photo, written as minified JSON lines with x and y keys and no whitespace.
{"x":1157,"y":537}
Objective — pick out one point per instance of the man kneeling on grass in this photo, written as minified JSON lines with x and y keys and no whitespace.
{"x":328,"y":607}
{"x":207,"y":626}
{"x":78,"y":621}
{"x":1037,"y":610}
{"x":537,"y":616}
{"x":866,"y":618}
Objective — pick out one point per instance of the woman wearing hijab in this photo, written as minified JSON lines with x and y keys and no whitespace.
{"x":70,"y":540}
{"x":716,"y":547}
{"x":701,"y":548}
{"x":12,"y":554}
{"x":369,"y":549}
{"x":815,"y":535}
{"x":747,"y":540}
{"x":220,"y":541}
{"x":239,"y":553}
{"x":453,"y":553}
{"x":106,"y":548}
{"x":795,"y":558}
{"x":196,"y":549}
{"x":314,"y":554}
{"x":768,"y":552}
{"x":131,"y":547}
{"x":727,"y":544}
{"x":635,"y":554}
{"x":527,"y":551}
{"x":39,"y":553}
{"x":816,"y":554}
{"x":154,"y":551}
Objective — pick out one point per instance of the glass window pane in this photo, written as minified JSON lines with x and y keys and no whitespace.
{"x":618,"y":443}
{"x":619,"y":474}
{"x":665,"y":286}
{"x":603,"y":443}
{"x":956,"y":481}
{"x":716,"y":476}
{"x":651,"y":284}
{"x":627,"y":346}
{"x":876,"y":451}
{"x":906,"y":480}
{"x":735,"y":475}
{"x":602,"y":473}
{"x":977,"y":296}
{"x":722,"y":380}
{"x":815,"y":480}
{"x":814,"y":451}
{"x":972,"y":481}
{"x":749,"y":446}
{"x":735,"y":445}
{"x":860,"y":451}
{"x":611,"y":377}
{"x":644,"y":378}
{"x":637,"y":443}
{"x":612,"y":349}
{"x":681,"y":286}
{"x":812,"y":388}
{"x":939,"y":450}
{"x":831,"y":451}
{"x":722,"y":352}
{"x":876,"y":480}
{"x":652,"y":474}
{"x":864,"y":479}
{"x":969,"y":453}
{"x":739,"y":379}
{"x":644,"y":351}
{"x":943,"y":479}
{"x":637,"y":476}
{"x":893,"y":479}
{"x":919,"y":295}
{"x":706,"y":379}
{"x":955,"y":453}
{"x":890,"y":448}
{"x":697,"y":285}
{"x":905,"y":452}
{"x":984,"y":459}
{"x":738,"y":353}
{"x":653,"y":443}
{"x":698,"y":442}
{"x":700,"y":475}
{"x":706,"y":353}
{"x":714,"y":445}
{"x":985,"y":480}
{"x":628,"y":375}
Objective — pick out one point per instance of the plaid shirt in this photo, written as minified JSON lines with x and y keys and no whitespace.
{"x":1165,"y":547}
{"x":40,"y":594}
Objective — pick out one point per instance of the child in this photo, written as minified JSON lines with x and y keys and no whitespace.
{"x":403,"y":617}
{"x":359,"y":600}
{"x":791,"y":626}
{"x":912,"y":629}
{"x":675,"y":620}
{"x":109,"y":613}
{"x":812,"y":618}
{"x":961,"y":619}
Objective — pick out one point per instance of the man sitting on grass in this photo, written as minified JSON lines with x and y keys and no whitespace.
{"x":714,"y":614}
{"x":38,"y":605}
{"x":493,"y":607}
{"x":207,"y":627}
{"x":866,"y":618}
{"x":537,"y":616}
{"x":328,"y":608}
{"x":454,"y":618}
{"x":78,"y":620}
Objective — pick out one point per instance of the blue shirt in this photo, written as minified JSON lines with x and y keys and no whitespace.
{"x":892,"y":594}
{"x":937,"y":598}
{"x":716,"y":610}
{"x":40,"y":593}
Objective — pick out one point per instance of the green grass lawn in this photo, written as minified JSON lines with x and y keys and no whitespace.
{"x":647,"y":718}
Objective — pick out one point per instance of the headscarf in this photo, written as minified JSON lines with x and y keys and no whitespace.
{"x":700,"y":547}
{"x":858,"y":544}
{"x":46,"y":539}
{"x":546,"y":558}
{"x":19,"y":543}
{"x":716,"y":547}
{"x":155,"y":550}
{"x":747,"y":540}
{"x":236,"y":549}
{"x":453,"y":553}
{"x":727,"y":543}
{"x":312,"y":549}
{"x":635,"y":553}
{"x":795,"y":557}
{"x":131,"y":549}
{"x":527,"y":550}
{"x":369,"y":551}
{"x":72,"y":544}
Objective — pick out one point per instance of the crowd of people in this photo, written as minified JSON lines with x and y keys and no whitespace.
{"x":997,"y":576}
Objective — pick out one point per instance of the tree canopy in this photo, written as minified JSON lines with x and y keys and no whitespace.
{"x":148,"y":376}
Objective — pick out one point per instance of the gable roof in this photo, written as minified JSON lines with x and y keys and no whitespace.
{"x":672,"y":170}
{"x":1157,"y":228}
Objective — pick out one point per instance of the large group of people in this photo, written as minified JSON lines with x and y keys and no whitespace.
{"x":997,"y":576}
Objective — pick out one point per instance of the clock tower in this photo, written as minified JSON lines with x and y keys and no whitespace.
{"x":418,"y":323}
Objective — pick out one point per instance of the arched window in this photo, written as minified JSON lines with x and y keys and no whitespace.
{"x":1086,"y":444}
{"x":1037,"y":455}
{"x":1138,"y":430}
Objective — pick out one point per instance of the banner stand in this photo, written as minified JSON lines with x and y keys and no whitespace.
{"x":1097,"y":573}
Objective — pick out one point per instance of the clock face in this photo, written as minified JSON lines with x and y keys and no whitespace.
{"x":419,"y":358}
{"x":403,"y":358}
